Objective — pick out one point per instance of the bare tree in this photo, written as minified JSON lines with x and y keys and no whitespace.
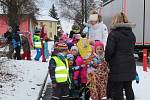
{"x":17,"y":9}
{"x":76,"y":10}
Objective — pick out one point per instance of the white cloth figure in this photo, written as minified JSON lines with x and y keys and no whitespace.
{"x":97,"y":32}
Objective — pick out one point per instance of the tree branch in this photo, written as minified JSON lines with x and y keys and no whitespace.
{"x":3,"y":2}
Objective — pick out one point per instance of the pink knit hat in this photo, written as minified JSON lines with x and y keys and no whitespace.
{"x":98,"y":43}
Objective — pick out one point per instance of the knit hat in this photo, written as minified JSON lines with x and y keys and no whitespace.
{"x":76,"y":28}
{"x":93,"y":17}
{"x":60,"y":46}
{"x":74,"y":48}
{"x":37,"y":31}
{"x":70,"y":57}
{"x":98,"y":43}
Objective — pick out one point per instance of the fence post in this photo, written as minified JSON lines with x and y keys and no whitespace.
{"x":145,"y":63}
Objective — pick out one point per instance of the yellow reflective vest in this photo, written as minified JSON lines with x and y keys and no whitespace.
{"x":61,"y":71}
{"x":37,"y":41}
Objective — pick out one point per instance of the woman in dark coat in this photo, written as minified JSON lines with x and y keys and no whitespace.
{"x":120,"y":56}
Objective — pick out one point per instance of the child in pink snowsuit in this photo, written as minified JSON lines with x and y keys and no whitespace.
{"x":82,"y":73}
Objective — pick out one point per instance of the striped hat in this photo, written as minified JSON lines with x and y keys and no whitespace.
{"x":60,"y":46}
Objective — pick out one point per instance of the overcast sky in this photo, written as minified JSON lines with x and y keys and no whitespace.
{"x":44,"y":6}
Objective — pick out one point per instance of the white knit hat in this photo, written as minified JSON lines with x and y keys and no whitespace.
{"x":93,"y":17}
{"x":75,"y":48}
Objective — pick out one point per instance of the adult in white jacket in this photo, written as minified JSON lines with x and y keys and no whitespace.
{"x":96,"y":29}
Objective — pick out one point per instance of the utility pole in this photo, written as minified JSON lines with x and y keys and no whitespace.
{"x":86,"y":15}
{"x":82,"y":2}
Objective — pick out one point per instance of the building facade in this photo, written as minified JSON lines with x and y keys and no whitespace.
{"x":26,"y":24}
{"x":50,"y":24}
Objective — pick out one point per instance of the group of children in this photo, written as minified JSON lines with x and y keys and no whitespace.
{"x":78,"y":70}
{"x":17,"y":40}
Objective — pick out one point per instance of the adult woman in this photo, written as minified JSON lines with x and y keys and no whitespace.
{"x":96,"y":29}
{"x":119,"y":55}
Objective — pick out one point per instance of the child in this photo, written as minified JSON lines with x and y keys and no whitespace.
{"x":98,"y":77}
{"x":59,"y":73}
{"x":74,"y":51}
{"x":73,"y":41}
{"x":70,"y":58}
{"x":37,"y":45}
{"x":76,"y":63}
{"x":96,"y":29}
{"x":75,"y":30}
{"x":80,"y":71}
{"x":26,"y":48}
{"x":73,"y":91}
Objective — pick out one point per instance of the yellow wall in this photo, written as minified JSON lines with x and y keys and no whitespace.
{"x":51,"y":27}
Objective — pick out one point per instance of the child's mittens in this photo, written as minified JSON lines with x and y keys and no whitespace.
{"x":76,"y":68}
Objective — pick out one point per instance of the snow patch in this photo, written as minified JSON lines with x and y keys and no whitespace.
{"x":22,"y":80}
{"x":142,"y":89}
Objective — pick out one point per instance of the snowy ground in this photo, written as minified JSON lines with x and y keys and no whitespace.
{"x":22,"y":80}
{"x":28,"y":78}
{"x":142,"y":89}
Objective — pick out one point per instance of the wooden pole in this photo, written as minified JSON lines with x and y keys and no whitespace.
{"x":82,"y":2}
